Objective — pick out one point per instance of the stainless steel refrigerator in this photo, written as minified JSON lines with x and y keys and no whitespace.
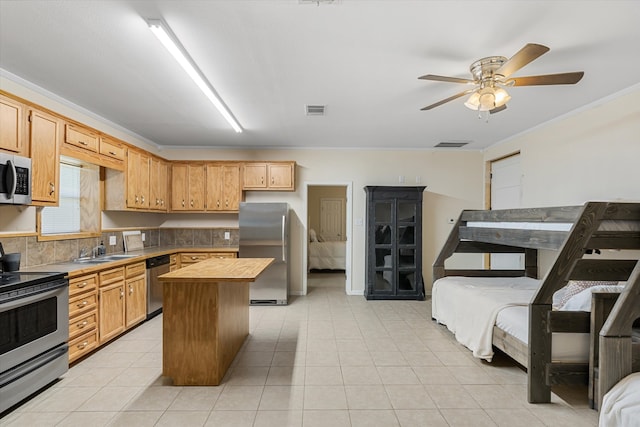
{"x":264,"y":233}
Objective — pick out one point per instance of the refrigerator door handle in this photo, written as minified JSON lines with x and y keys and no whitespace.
{"x":284,"y":257}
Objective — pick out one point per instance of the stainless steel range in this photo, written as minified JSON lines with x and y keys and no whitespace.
{"x":34,"y":329}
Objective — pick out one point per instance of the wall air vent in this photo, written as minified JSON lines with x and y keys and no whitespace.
{"x":452,"y":144}
{"x":315,"y":110}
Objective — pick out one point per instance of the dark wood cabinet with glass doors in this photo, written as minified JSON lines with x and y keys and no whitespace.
{"x":394,"y":243}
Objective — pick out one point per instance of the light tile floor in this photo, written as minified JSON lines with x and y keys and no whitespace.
{"x":326,"y":359}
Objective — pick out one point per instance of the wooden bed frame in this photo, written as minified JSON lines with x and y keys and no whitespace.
{"x":585,"y":236}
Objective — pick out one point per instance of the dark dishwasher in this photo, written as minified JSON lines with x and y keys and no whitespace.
{"x":155,"y":267}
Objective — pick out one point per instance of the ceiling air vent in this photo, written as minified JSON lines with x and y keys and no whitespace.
{"x":315,"y":110}
{"x":452,"y":144}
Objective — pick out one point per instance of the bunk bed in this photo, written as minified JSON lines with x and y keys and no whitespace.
{"x":576,"y":234}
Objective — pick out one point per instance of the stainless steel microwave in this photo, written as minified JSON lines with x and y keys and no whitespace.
{"x":15,"y":179}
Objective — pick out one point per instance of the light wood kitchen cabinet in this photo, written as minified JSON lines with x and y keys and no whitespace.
{"x":11,"y":125}
{"x":136,"y":294}
{"x":137,"y":179}
{"x":111,"y":296}
{"x":83,"y":315}
{"x":173,"y":262}
{"x":188,"y":187}
{"x":223,"y":187}
{"x":274,"y":176}
{"x":80,"y":137}
{"x":189,"y":258}
{"x":112,"y":148}
{"x":158,"y":183}
{"x":45,"y":134}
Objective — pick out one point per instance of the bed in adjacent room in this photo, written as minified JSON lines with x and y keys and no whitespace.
{"x":326,"y":255}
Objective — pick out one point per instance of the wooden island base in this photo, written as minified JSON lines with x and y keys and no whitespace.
{"x":206,"y":318}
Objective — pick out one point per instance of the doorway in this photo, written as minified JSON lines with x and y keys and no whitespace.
{"x":506,"y":193}
{"x":328,"y":247}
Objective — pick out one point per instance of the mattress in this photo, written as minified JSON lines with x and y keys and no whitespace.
{"x":327,"y":255}
{"x":621,"y":405}
{"x":565,"y":347}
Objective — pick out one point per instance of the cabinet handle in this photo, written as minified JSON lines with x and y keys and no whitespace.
{"x":272,"y":180}
{"x":82,"y":142}
{"x":82,"y":285}
{"x":142,"y":199}
{"x":136,"y":199}
{"x":157,"y":202}
{"x":112,"y":153}
{"x":121,"y":293}
{"x":183,"y":203}
{"x":218,"y":203}
{"x":83,"y":303}
{"x":226,"y":203}
{"x":130,"y":290}
{"x":82,"y":324}
{"x":83,"y":345}
{"x":191,"y":203}
{"x":194,"y":257}
{"x":262,"y":180}
{"x":52,"y":188}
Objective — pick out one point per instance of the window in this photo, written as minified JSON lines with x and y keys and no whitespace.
{"x":78,"y":211}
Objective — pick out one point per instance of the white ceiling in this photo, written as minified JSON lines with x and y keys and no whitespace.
{"x":360,"y":58}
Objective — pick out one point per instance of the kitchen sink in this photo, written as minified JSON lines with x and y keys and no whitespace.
{"x":102,"y":259}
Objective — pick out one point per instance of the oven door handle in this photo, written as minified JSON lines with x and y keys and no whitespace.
{"x":33,"y":296}
{"x":22,"y":370}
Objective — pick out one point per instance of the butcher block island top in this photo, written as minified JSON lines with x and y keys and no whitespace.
{"x":205,"y":317}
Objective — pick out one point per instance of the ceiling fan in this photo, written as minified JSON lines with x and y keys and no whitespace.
{"x":491,"y":75}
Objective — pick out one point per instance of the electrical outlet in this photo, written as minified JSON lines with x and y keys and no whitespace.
{"x":112,"y":240}
{"x":227,"y":235}
{"x":144,"y":237}
{"x":401,"y":179}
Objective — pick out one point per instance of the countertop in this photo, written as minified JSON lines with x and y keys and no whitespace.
{"x":76,"y":269}
{"x":220,"y":270}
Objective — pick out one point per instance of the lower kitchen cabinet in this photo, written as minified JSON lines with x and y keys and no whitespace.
{"x":136,"y":294}
{"x":189,"y":258}
{"x":83,"y":315}
{"x":111,"y":309}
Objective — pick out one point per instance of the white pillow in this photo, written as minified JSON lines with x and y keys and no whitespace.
{"x":312,"y":235}
{"x":574,"y":287}
{"x":582,"y":300}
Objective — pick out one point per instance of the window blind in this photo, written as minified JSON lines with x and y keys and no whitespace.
{"x":65,"y":218}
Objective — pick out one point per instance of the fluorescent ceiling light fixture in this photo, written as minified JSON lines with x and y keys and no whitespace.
{"x":171,"y":43}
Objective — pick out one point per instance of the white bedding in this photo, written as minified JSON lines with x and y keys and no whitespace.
{"x":327,"y":255}
{"x":621,"y":405}
{"x":468,"y":306}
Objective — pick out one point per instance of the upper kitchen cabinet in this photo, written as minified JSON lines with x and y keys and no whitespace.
{"x":187,"y":187}
{"x":137,"y":179}
{"x":45,"y":134}
{"x":273,"y":176}
{"x":158,"y":179}
{"x":12,"y":126}
{"x":142,"y":186}
{"x":91,"y":146}
{"x":224,"y":192}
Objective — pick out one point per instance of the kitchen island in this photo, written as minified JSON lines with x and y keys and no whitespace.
{"x":206,"y":317}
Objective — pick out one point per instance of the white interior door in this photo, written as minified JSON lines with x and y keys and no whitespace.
{"x":332,"y":219}
{"x":506,"y":193}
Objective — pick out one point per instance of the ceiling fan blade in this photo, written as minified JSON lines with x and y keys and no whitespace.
{"x":498,"y":109}
{"x":548,"y":79}
{"x":444,"y":101}
{"x":524,"y":56}
{"x":446,"y":79}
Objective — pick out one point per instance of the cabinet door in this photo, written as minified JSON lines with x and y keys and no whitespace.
{"x":281,"y":176}
{"x":10,"y":125}
{"x":179,"y":183}
{"x":111,"y":311}
{"x":254,"y":175}
{"x":137,"y":180}
{"x":214,"y":187}
{"x":81,"y":138}
{"x":196,"y":187}
{"x":136,"y":300}
{"x":231,"y":191}
{"x":157,"y":184}
{"x":44,"y":137}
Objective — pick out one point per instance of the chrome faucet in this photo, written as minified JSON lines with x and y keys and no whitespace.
{"x":84,"y":252}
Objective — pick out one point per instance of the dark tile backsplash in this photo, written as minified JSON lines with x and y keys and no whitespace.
{"x":47,"y":252}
